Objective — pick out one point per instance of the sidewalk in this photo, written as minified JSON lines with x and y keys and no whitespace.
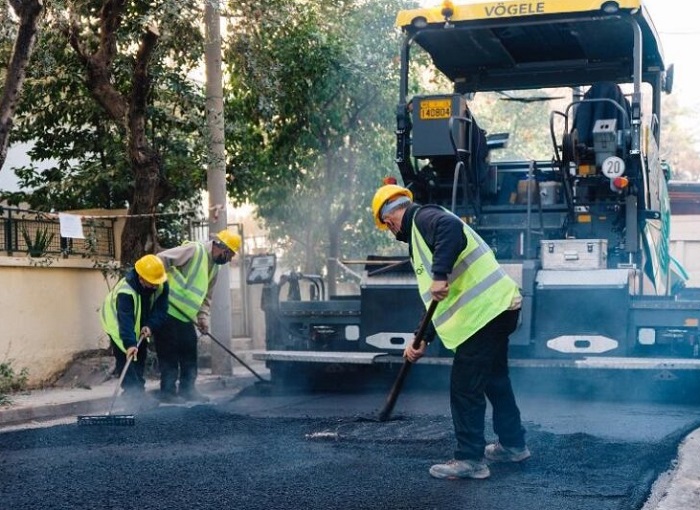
{"x":56,"y":403}
{"x":677,"y":489}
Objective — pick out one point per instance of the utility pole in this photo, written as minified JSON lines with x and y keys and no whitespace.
{"x":216,"y":181}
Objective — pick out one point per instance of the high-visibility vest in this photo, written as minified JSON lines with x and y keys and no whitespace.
{"x":108,"y":313}
{"x":189,"y":285}
{"x":479,"y":288}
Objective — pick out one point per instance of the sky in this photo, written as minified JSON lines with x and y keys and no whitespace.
{"x":677,"y":23}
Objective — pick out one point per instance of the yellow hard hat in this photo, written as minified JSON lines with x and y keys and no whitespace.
{"x":231,"y":240}
{"x":151,"y":269}
{"x":384,"y":194}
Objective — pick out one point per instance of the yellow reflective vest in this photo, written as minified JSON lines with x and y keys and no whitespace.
{"x":108,"y":313}
{"x":479,"y":288}
{"x":189,"y":285}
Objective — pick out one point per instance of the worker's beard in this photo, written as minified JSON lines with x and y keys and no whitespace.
{"x":400,"y":236}
{"x":221,"y":259}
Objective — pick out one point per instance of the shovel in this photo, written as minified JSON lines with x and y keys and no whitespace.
{"x":120,"y":420}
{"x":398,"y":384}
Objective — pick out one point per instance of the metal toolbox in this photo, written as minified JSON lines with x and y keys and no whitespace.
{"x":574,"y":254}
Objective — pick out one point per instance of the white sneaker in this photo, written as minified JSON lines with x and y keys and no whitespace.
{"x":496,"y":452}
{"x":455,"y":469}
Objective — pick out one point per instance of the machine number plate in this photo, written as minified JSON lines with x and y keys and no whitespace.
{"x":431,"y":109}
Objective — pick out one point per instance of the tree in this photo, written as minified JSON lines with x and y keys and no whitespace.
{"x":29,"y":13}
{"x":312,"y":109}
{"x":679,"y":140}
{"x":110,"y":98}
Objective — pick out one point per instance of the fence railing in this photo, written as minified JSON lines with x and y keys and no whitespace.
{"x":39,"y":234}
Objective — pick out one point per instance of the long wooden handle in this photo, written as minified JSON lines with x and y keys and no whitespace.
{"x":406,"y":367}
{"x":121,"y":377}
{"x":220,"y":344}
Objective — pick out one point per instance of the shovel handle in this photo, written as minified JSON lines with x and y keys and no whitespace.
{"x":406,"y":367}
{"x":424,"y":324}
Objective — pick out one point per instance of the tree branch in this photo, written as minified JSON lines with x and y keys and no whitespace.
{"x":140,"y":89}
{"x":99,"y":74}
{"x":29,"y":12}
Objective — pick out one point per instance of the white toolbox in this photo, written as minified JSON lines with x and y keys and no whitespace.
{"x":574,"y":254}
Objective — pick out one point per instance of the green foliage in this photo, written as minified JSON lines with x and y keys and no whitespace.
{"x":11,"y":381}
{"x":40,"y":243}
{"x":311,"y":109}
{"x":79,"y":156}
{"x":680,"y":139}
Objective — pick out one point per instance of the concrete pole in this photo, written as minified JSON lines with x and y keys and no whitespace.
{"x":216,"y":182}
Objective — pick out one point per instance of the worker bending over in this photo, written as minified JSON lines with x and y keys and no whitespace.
{"x":478,"y":309}
{"x":135,"y":307}
{"x":192,"y":270}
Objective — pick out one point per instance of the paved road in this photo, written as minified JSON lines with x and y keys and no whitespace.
{"x":263,"y":450}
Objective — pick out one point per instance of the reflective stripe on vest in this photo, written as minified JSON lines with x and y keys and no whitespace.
{"x":479,"y":288}
{"x":108,"y":313}
{"x":189,"y":286}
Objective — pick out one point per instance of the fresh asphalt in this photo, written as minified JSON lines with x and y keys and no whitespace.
{"x":260,"y":448}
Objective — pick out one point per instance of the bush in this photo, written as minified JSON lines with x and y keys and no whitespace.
{"x":10,"y":381}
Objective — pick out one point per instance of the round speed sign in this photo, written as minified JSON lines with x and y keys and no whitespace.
{"x":613,"y":167}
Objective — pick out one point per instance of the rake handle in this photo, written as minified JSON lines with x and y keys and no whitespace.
{"x":406,"y":367}
{"x":237,"y":358}
{"x":221,"y":344}
{"x":121,"y":377}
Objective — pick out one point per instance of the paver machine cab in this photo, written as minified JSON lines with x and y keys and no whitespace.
{"x":583,"y":228}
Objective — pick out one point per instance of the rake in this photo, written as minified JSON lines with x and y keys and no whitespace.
{"x":118,"y":420}
{"x":223,"y":346}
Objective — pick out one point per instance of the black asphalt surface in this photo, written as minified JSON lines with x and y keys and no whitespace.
{"x":263,"y":450}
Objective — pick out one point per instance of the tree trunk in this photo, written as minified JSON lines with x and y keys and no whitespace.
{"x":29,"y":12}
{"x":130,"y":113}
{"x":139,"y":235}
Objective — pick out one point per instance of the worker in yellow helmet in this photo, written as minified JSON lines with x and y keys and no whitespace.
{"x":135,"y":307}
{"x":192,"y":270}
{"x":478,"y":308}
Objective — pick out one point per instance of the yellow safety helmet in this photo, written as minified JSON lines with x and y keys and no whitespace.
{"x":231,"y":240}
{"x":151,"y":269}
{"x":384,"y":194}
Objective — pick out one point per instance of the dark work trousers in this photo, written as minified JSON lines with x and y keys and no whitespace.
{"x":134,"y":381}
{"x":176,"y":346}
{"x":480,"y":371}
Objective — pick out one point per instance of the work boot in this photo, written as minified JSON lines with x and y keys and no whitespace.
{"x":193,"y":395}
{"x":166,"y":397}
{"x":496,"y":452}
{"x":454,"y":469}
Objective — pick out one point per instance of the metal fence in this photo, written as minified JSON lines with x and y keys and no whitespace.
{"x":39,"y":234}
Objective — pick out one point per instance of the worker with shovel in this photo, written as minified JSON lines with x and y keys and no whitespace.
{"x":135,"y":307}
{"x":192,"y":269}
{"x":478,"y":308}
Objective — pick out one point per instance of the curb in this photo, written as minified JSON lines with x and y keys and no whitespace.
{"x":16,"y":416}
{"x":96,"y":403}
